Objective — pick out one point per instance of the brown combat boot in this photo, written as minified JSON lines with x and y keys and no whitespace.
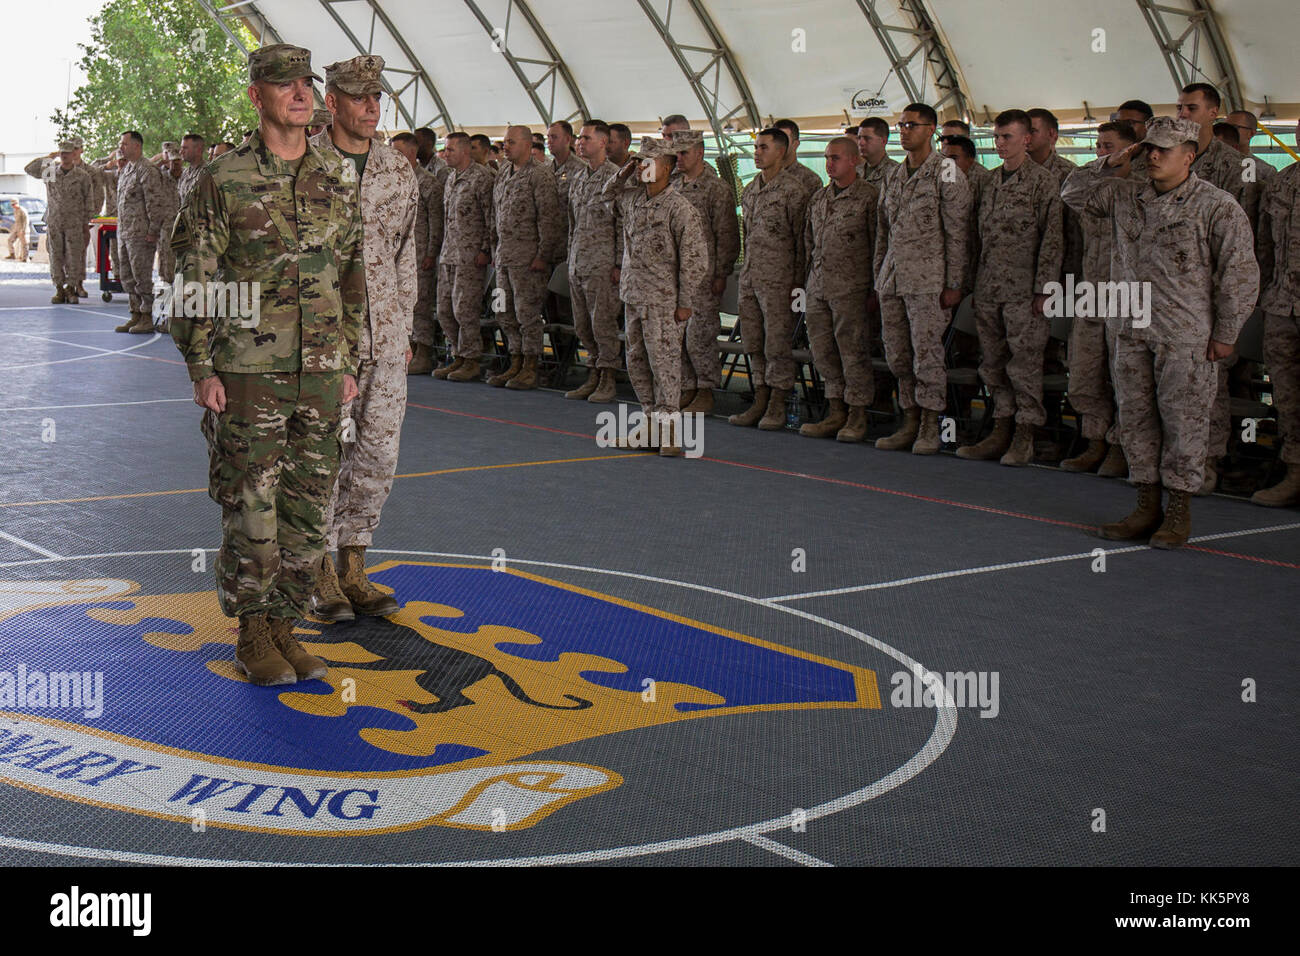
{"x":905,"y":437}
{"x":687,"y":396}
{"x":421,"y":360}
{"x":364,"y":597}
{"x":70,"y":294}
{"x":606,"y":390}
{"x":701,"y":404}
{"x":527,"y":377}
{"x":143,"y":324}
{"x":1282,"y":495}
{"x":855,"y":424}
{"x":587,"y":387}
{"x":773,"y":419}
{"x":1144,"y":519}
{"x":1115,"y":465}
{"x":1021,"y":451}
{"x":125,"y":326}
{"x":837,"y":416}
{"x":516,"y":363}
{"x":469,"y":371}
{"x":81,"y":290}
{"x":1211,"y":478}
{"x":328,"y":602}
{"x":60,"y":295}
{"x":994,"y":446}
{"x":304,"y":665}
{"x":1092,"y":456}
{"x":255,"y":654}
{"x":750,"y":416}
{"x":445,"y":370}
{"x":670,"y":440}
{"x":927,"y":436}
{"x":1177,"y":525}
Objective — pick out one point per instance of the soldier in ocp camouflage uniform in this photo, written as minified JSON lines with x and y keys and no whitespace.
{"x":1278,"y":248}
{"x":1192,"y":244}
{"x":142,"y":205}
{"x":1020,"y":230}
{"x":665,"y":259}
{"x":774,"y":204}
{"x":280,"y":212}
{"x":595,"y":251}
{"x":840,"y":239}
{"x":528,"y":234}
{"x":715,"y":202}
{"x":68,"y":190}
{"x":428,"y":245}
{"x":462,"y":265}
{"x":389,"y":200}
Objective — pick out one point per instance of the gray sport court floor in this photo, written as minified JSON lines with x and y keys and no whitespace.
{"x":1118,"y":690}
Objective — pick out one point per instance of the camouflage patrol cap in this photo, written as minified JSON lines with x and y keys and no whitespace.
{"x":652,"y":147}
{"x":279,"y":62}
{"x":321,"y":118}
{"x":69,"y":145}
{"x":1167,"y":132}
{"x":358,"y":76}
{"x":75,"y":140}
{"x":171,"y":148}
{"x":684,"y":140}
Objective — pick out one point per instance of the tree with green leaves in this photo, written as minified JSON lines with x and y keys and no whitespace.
{"x":164,"y":68}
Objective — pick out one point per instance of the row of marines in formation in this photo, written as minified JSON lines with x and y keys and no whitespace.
{"x":344,"y":232}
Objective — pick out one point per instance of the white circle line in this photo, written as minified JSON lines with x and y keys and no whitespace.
{"x":945,"y":726}
{"x":83,"y":358}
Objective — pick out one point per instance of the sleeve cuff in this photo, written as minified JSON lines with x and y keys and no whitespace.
{"x":200,"y":371}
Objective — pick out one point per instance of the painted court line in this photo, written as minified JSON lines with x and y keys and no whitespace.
{"x":1012,"y":565}
{"x":29,"y":546}
{"x":50,"y":408}
{"x":780,"y":849}
{"x":99,"y":353}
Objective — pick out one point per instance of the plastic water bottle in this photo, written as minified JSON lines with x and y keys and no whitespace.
{"x":792,"y":411}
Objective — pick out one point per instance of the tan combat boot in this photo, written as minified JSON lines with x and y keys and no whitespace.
{"x":81,"y":290}
{"x":304,"y":665}
{"x":1092,"y":456}
{"x":1145,"y":519}
{"x":837,"y":416}
{"x":60,"y":295}
{"x":527,"y":377}
{"x":70,"y":294}
{"x":364,"y":597}
{"x":773,"y":419}
{"x":255,"y":654}
{"x":143,"y":324}
{"x":855,"y":424}
{"x":328,"y":602}
{"x":1021,"y":451}
{"x":994,"y":446}
{"x":125,"y":326}
{"x":927,"y":436}
{"x":443,"y":371}
{"x":421,"y":360}
{"x":686,"y":397}
{"x":469,"y":371}
{"x":587,"y":387}
{"x":607,"y":389}
{"x":701,"y":404}
{"x":516,"y":363}
{"x":905,"y":437}
{"x":1211,"y":479}
{"x":750,"y":416}
{"x":670,"y":440}
{"x":1115,"y":465}
{"x":1177,"y":525}
{"x":1282,"y":495}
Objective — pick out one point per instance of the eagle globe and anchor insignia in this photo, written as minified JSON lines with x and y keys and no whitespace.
{"x":426,"y":717}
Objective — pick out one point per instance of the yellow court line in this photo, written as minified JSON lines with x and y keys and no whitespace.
{"x":415,"y":474}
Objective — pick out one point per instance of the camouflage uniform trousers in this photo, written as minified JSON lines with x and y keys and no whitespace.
{"x":1221,"y":413}
{"x":1090,"y":391}
{"x":273,"y":458}
{"x":370,"y":459}
{"x":426,"y":301}
{"x":838,"y":334}
{"x":1282,"y":355}
{"x":1164,"y":394}
{"x":67,"y":246}
{"x":135,"y":270}
{"x":525,"y":292}
{"x":654,"y":357}
{"x":460,"y":306}
{"x":1113,"y":435}
{"x":701,"y":360}
{"x":767,"y":332}
{"x":912,"y":328}
{"x":1012,"y":340}
{"x":595,"y":318}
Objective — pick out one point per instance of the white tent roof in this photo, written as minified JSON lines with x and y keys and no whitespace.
{"x":804,"y":60}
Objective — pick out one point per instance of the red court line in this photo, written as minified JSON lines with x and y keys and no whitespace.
{"x":1243,"y":557}
{"x":502,"y":421}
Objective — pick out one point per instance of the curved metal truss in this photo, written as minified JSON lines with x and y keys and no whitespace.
{"x":928,"y":57}
{"x":1194,"y":47}
{"x":554,"y":70}
{"x":713,"y":65}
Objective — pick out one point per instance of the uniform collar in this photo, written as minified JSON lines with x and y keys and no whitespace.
{"x":1179,"y":194}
